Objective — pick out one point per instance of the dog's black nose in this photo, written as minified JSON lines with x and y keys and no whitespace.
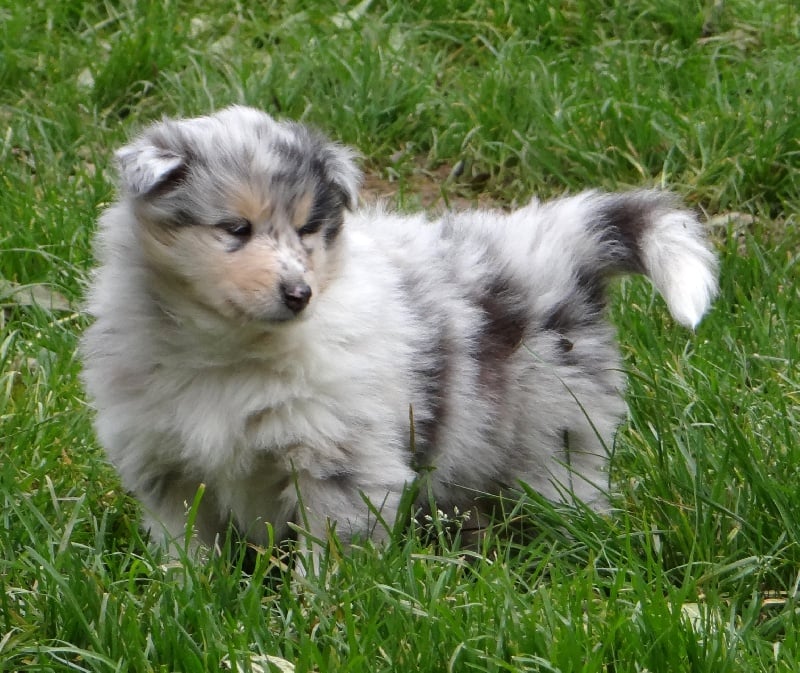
{"x":295,"y":296}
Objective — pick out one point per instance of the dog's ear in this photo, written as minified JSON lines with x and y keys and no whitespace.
{"x":343,"y":173}
{"x":146,"y":169}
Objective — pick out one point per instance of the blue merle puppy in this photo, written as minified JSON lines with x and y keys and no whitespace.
{"x":257,"y":333}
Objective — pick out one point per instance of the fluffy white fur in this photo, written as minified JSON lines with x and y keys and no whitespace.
{"x":253,"y":335}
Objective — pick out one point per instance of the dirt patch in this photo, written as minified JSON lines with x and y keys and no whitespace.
{"x":435,"y":190}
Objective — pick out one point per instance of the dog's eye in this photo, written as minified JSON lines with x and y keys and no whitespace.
{"x":238,"y":227}
{"x":310,"y":227}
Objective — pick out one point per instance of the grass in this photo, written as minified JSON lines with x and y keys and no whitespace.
{"x":449,"y":102}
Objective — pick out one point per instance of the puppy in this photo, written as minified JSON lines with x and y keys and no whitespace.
{"x":255,"y":333}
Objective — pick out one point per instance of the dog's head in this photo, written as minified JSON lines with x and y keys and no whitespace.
{"x":238,"y":212}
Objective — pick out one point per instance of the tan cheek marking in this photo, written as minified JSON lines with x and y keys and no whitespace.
{"x":302,"y":210}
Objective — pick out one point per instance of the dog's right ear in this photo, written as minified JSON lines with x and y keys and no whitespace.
{"x":146,"y":169}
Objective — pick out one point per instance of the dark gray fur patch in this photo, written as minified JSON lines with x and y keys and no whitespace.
{"x":159,"y":486}
{"x":622,"y":219}
{"x":574,"y":313}
{"x":505,"y":323}
{"x":172,"y":140}
{"x":328,"y":209}
{"x":565,"y":345}
{"x":327,"y":213}
{"x":169,"y":182}
{"x":434,"y":382}
{"x":432,"y":372}
{"x":309,"y":161}
{"x":565,"y":447}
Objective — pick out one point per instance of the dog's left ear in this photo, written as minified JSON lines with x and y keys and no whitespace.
{"x":145,"y":168}
{"x":343,"y":173}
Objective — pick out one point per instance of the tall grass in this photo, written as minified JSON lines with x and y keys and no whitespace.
{"x":448,"y":102}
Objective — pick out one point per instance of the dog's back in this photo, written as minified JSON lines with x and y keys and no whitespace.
{"x":521,"y":375}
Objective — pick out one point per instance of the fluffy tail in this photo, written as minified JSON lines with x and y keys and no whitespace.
{"x":639,"y":232}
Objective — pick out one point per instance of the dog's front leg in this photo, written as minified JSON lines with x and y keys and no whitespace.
{"x":172,"y":502}
{"x":352,"y":508}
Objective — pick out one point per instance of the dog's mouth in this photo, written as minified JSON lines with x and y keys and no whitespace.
{"x":285,"y":318}
{"x":274,"y":316}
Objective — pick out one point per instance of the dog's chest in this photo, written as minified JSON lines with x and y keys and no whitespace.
{"x":226,"y":419}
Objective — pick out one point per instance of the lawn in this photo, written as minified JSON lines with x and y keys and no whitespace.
{"x":450,"y":103}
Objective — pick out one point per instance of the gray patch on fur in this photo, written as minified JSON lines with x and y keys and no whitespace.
{"x":505,"y":322}
{"x":429,"y":411}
